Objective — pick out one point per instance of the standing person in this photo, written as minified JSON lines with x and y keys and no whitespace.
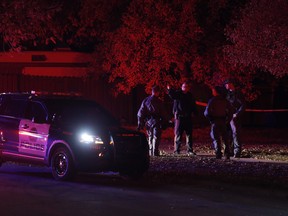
{"x":184,"y":106}
{"x":238,"y":103}
{"x":152,"y":114}
{"x":219,"y":112}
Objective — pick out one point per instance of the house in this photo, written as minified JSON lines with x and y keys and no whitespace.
{"x":60,"y":71}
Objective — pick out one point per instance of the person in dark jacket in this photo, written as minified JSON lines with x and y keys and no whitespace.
{"x":219,"y":112}
{"x":184,"y":105}
{"x":238,"y":103}
{"x":152,"y":114}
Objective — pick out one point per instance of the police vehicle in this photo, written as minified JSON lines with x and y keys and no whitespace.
{"x":70,"y":134}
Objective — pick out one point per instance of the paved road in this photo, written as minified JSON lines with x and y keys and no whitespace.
{"x":32,"y":191}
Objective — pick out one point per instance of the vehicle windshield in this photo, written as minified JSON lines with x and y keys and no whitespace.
{"x":71,"y":111}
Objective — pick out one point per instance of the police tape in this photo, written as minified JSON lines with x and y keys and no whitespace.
{"x":201,"y":103}
{"x":249,"y":110}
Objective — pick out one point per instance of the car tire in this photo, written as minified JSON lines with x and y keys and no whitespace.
{"x":62,"y":165}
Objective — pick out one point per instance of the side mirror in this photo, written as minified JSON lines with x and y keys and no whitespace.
{"x":55,"y":117}
{"x":39,"y":119}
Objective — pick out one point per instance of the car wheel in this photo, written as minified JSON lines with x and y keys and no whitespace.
{"x":62,"y":165}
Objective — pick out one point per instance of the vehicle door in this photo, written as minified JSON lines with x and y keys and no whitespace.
{"x":11,"y":113}
{"x":34,"y":130}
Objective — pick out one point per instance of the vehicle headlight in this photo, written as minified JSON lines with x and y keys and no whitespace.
{"x":90,"y":139}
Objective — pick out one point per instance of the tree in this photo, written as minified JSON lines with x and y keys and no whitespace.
{"x":152,"y":46}
{"x":22,"y":21}
{"x":162,"y":42}
{"x":91,"y":20}
{"x":147,"y":42}
{"x":40,"y":23}
{"x":211,"y":66}
{"x":259,"y":38}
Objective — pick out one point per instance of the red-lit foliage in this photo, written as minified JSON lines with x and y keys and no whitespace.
{"x":26,"y":20}
{"x":77,"y":23}
{"x":153,"y":44}
{"x":147,"y":42}
{"x":162,"y":42}
{"x":89,"y":22}
{"x":259,"y":40}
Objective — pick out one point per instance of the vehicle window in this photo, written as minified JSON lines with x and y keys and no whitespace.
{"x":79,"y":110}
{"x":15,"y":108}
{"x":36,"y":111}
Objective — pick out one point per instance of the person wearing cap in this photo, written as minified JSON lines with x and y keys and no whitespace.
{"x":184,"y":106}
{"x":219,"y":112}
{"x":238,"y":103}
{"x":152,"y":115}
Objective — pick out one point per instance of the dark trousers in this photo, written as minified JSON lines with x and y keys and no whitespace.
{"x":218,"y":134}
{"x":183,"y":124}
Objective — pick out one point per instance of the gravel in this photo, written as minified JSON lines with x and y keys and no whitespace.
{"x":264,"y":160}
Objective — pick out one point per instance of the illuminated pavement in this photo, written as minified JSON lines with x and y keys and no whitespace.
{"x":32,"y":191}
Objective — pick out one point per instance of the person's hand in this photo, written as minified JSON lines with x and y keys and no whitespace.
{"x":171,"y":122}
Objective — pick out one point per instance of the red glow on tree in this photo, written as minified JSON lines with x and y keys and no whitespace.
{"x":260,"y":37}
{"x":152,"y":45}
{"x":147,"y":42}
